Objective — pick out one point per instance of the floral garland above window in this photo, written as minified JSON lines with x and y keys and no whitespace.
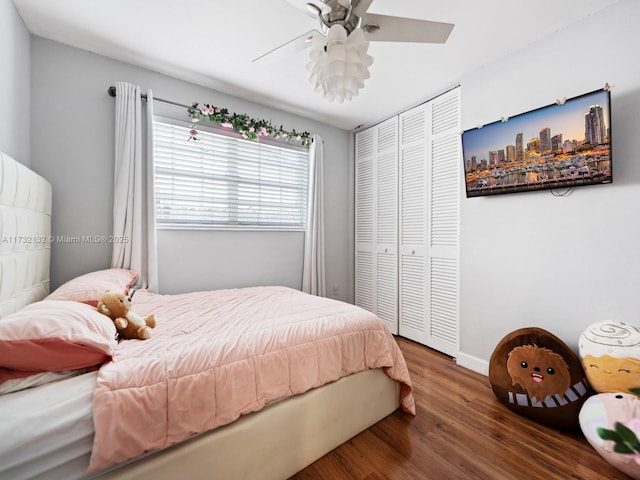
{"x":249,"y":128}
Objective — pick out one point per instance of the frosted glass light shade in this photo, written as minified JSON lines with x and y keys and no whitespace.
{"x":339,"y":63}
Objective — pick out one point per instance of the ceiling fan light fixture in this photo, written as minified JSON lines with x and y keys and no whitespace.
{"x":337,"y":34}
{"x":339,"y":63}
{"x":337,"y":52}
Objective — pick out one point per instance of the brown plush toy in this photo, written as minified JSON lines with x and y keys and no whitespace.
{"x":117,"y":306}
{"x":537,"y":375}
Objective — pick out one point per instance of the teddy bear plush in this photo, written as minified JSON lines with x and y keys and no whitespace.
{"x":117,"y":306}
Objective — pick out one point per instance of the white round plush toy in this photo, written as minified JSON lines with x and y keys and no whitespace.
{"x":610,"y":355}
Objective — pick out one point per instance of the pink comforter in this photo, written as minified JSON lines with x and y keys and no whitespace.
{"x":215,"y":356}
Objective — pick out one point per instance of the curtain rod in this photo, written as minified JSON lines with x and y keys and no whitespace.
{"x":112,"y":93}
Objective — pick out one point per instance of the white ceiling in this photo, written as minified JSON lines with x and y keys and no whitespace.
{"x":213,"y":43}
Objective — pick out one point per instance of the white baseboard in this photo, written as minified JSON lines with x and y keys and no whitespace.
{"x":473,"y":363}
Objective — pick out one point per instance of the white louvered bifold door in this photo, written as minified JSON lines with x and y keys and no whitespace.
{"x":386,"y":229}
{"x":377,"y":221}
{"x":412,"y":299}
{"x":364,"y":206}
{"x":443,"y":221}
{"x":430,"y":162}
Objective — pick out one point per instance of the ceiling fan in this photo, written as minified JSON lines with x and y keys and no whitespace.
{"x":339,"y":63}
{"x":353,"y":13}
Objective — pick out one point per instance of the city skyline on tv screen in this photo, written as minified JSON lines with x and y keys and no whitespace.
{"x":556,"y":146}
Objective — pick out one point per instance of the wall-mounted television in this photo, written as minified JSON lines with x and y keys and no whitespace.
{"x":562,"y":145}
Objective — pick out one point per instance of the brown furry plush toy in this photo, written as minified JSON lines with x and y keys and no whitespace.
{"x":117,"y":306}
{"x":540,"y":371}
{"x":537,"y":375}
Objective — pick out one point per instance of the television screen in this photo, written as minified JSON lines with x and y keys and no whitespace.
{"x":557,"y":146}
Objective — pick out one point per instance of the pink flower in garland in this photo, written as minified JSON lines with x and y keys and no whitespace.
{"x":251,"y":129}
{"x":226,"y":125}
{"x":193,"y":132}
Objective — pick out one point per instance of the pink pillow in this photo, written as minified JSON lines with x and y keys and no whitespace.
{"x":53,"y":336}
{"x":88,"y":288}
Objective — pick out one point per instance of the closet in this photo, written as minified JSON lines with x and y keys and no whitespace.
{"x":408,"y":178}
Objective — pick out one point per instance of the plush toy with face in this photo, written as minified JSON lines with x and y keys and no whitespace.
{"x":537,"y":375}
{"x":610,"y":353}
{"x":117,"y":306}
{"x":540,"y":371}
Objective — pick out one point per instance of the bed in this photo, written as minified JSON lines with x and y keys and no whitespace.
{"x":177,"y":404}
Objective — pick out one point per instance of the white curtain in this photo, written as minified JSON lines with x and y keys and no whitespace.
{"x":133,"y":200}
{"x":313,"y":271}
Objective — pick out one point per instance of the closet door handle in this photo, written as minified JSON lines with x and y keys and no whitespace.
{"x":385,"y":250}
{"x":413,"y":252}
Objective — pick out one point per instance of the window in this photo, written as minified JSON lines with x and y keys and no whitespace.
{"x":225,"y":181}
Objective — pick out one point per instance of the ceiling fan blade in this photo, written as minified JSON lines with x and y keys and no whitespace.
{"x":301,"y":42}
{"x":361,"y":6}
{"x":399,"y":29}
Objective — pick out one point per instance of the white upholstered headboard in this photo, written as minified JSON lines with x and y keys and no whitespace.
{"x":25,"y":235}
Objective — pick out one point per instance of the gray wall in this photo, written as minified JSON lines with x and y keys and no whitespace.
{"x":72,"y":146}
{"x":533,"y":259}
{"x":15,"y":80}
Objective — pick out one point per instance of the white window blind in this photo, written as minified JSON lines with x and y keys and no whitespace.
{"x":225,"y":181}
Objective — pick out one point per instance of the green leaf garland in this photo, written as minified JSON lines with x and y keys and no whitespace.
{"x":249,"y":128}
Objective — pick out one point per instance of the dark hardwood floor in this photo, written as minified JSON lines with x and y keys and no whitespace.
{"x":461,"y":431}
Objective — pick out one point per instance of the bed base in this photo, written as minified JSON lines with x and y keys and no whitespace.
{"x":278,"y":441}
